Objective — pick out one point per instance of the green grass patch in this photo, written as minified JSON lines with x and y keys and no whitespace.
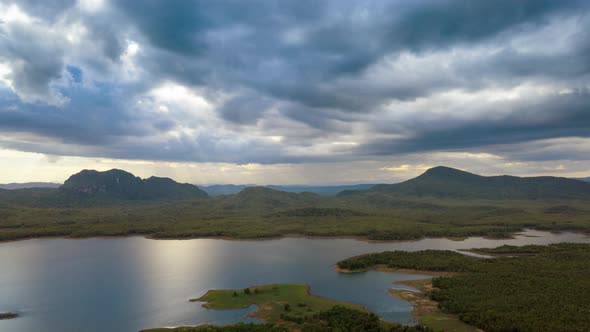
{"x":276,"y":302}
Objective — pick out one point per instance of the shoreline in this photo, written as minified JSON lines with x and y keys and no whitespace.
{"x":424,"y":310}
{"x":290,"y":236}
{"x":383,"y":268}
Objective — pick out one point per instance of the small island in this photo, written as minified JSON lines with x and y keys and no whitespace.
{"x":276,"y":302}
{"x":291,"y":307}
{"x":8,"y":315}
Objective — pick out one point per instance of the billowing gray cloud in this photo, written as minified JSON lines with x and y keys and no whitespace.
{"x":541,"y":117}
{"x":298,"y":81}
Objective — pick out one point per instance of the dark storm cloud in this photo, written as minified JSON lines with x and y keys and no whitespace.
{"x":566,"y":115}
{"x":434,"y":24}
{"x":34,"y":62}
{"x":306,"y":73}
{"x":108,"y":129}
{"x":249,"y":41}
{"x":88,"y":119}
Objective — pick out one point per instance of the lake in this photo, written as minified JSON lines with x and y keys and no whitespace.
{"x":128,"y":284}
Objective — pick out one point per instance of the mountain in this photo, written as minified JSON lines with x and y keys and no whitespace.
{"x":117,"y":184}
{"x":230,"y":189}
{"x":13,"y":186}
{"x":453,"y":183}
{"x":583,"y":179}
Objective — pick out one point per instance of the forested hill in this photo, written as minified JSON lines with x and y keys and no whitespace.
{"x":452,"y":183}
{"x":120,"y":185}
{"x":230,"y":189}
{"x":266,"y":199}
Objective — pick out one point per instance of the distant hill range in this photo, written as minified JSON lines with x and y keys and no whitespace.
{"x":443,"y":182}
{"x":224,"y":189}
{"x":230,"y":189}
{"x":116,"y":186}
{"x":13,"y":186}
{"x":323,"y":190}
{"x":584,"y":179}
{"x":448,"y":182}
{"x":120,"y":185}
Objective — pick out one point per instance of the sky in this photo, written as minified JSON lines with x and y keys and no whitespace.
{"x":293,"y":92}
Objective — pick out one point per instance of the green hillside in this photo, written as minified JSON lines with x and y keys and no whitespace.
{"x":448,"y":182}
{"x":266,"y":199}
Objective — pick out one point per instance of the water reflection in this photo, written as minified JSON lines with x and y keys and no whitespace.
{"x":134,"y":283}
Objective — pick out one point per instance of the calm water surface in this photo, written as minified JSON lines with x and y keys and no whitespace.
{"x":128,"y":284}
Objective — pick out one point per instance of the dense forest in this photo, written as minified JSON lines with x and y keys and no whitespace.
{"x":336,"y":319}
{"x":531,"y":288}
{"x":267,"y":214}
{"x":427,"y":260}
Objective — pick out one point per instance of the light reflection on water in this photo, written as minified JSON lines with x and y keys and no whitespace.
{"x":132,"y":283}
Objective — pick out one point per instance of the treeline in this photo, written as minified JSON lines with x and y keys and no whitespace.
{"x":336,"y":319}
{"x":258,"y":217}
{"x":239,"y":327}
{"x":427,"y":260}
{"x":527,"y":249}
{"x":342,"y":319}
{"x":541,"y":288}
{"x":319,"y":212}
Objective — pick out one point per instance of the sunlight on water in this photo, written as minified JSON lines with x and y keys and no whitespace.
{"x":128,"y":284}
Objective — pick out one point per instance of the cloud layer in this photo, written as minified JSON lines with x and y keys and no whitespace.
{"x":278,"y":82}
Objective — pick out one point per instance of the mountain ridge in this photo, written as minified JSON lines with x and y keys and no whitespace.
{"x":88,"y":186}
{"x":122,"y":185}
{"x":442,"y":181}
